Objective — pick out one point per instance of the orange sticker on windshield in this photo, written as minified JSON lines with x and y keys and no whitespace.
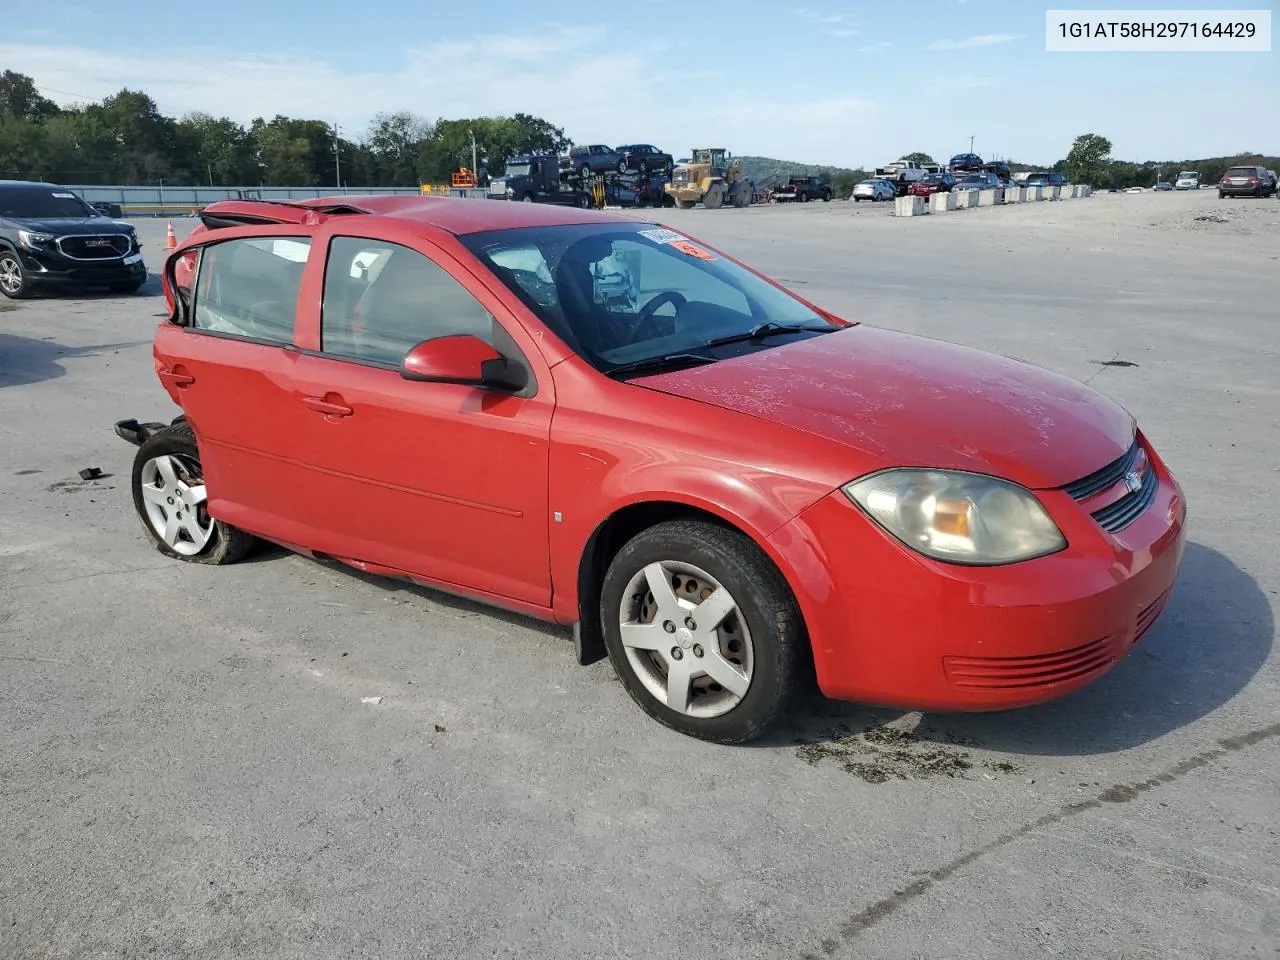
{"x":693,"y":250}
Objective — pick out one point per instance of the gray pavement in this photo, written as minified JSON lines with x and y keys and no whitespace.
{"x":187,"y":769}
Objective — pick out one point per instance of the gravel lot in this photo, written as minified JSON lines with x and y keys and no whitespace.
{"x":187,"y":769}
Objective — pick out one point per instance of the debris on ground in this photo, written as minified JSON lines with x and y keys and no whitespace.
{"x":374,"y":700}
{"x":882,"y":753}
{"x":90,"y":473}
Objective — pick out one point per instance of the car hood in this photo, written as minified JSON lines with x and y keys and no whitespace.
{"x":70,"y":226}
{"x":905,"y":400}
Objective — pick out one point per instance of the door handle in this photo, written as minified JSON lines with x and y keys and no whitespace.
{"x":176,"y":378}
{"x":328,"y":408}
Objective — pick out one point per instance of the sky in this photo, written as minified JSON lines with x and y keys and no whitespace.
{"x":847,"y":84}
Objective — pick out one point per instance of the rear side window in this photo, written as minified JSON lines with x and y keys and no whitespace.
{"x":249,"y":287}
{"x":382,"y":299}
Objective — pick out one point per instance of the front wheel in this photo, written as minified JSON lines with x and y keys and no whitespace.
{"x":172,"y":502}
{"x":703,"y":631}
{"x":13,"y":279}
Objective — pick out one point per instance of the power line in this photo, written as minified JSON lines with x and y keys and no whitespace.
{"x":65,"y":93}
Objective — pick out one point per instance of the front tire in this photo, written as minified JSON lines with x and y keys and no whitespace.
{"x":170,"y":497}
{"x":13,"y":278}
{"x":703,"y":631}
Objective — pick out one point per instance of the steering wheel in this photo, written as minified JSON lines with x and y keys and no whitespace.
{"x":645,"y":318}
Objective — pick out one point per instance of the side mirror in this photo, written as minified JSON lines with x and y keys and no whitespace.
{"x":461,"y":358}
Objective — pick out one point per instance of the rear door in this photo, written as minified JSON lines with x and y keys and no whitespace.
{"x":230,"y":363}
{"x":444,"y":481}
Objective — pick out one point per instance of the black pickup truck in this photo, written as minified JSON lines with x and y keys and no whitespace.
{"x":803,"y":189}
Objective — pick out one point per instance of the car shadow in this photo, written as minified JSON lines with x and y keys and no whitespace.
{"x":1214,"y":636}
{"x":25,"y":360}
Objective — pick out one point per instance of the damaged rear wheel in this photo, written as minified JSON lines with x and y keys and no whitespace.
{"x":172,"y":502}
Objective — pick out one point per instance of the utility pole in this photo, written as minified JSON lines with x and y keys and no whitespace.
{"x":971,"y":144}
{"x":474,"y":164}
{"x":337,"y":158}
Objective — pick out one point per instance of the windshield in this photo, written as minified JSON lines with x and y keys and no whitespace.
{"x":1188,"y":175}
{"x":620,"y":293}
{"x":28,"y":204}
{"x":518,"y":169}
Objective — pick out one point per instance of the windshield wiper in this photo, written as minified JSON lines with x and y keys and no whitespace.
{"x":767,"y":329}
{"x":670,"y":361}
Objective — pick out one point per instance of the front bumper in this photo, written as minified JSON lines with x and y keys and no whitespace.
{"x":889,"y":626}
{"x":47,"y":266}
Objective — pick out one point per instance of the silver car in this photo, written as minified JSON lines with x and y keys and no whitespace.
{"x":874,"y":189}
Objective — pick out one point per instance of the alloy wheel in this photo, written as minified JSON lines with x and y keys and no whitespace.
{"x":685,"y":639}
{"x":175,"y":499}
{"x":10,"y":275}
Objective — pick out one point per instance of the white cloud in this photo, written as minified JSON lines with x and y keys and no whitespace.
{"x":982,"y":40}
{"x":875,"y":47}
{"x":957,"y":83}
{"x":560,"y":74}
{"x":831,"y":24}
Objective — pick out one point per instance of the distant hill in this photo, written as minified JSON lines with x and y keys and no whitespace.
{"x":766,"y":171}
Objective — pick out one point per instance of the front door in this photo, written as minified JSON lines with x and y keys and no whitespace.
{"x":445,"y":481}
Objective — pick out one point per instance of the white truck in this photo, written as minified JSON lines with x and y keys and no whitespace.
{"x":902,"y":173}
{"x":1187,"y":180}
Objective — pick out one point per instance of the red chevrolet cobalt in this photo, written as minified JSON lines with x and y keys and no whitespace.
{"x":608,"y":424}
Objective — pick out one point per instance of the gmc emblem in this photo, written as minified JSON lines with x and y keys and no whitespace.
{"x":97,"y":243}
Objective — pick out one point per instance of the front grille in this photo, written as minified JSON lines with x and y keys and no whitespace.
{"x":1100,"y":480}
{"x":96,"y":247}
{"x":680,"y":176}
{"x":1044,"y":670}
{"x":1116,"y":516}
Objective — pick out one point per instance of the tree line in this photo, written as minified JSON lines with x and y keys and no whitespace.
{"x":125,"y":139}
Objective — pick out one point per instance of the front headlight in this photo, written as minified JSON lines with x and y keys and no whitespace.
{"x":33,"y":241}
{"x":958,"y":517}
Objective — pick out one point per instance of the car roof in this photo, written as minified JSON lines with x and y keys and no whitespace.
{"x":31,"y":185}
{"x":456,"y":215}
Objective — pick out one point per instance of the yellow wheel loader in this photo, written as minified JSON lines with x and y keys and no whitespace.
{"x":709,"y":176}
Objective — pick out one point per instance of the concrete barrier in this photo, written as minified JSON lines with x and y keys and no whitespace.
{"x":966,"y":199}
{"x":910,"y":206}
{"x":989,"y":198}
{"x":1015,"y":195}
{"x":1035,"y":193}
{"x":942,"y":202}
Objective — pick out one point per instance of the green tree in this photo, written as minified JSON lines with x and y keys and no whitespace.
{"x":1088,"y":159}
{"x":20,"y":99}
{"x":919,"y":157}
{"x":393,"y":142}
{"x":219,"y":150}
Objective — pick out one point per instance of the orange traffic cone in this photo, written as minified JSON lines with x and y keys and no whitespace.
{"x":170,"y":241}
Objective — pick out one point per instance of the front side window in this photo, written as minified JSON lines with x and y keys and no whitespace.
{"x":623,"y":294}
{"x":382,"y":299}
{"x":249,"y":287}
